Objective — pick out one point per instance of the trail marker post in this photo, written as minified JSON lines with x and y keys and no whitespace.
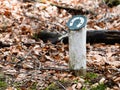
{"x":77,"y":44}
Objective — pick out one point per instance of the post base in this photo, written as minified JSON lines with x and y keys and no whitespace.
{"x":81,"y":72}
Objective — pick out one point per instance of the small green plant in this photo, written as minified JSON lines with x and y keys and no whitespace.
{"x":99,"y":87}
{"x":91,"y":75}
{"x":75,"y":81}
{"x":52,"y":86}
{"x":3,"y":85}
{"x":83,"y":88}
{"x":34,"y":86}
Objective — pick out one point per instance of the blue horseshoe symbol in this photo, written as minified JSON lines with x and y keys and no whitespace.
{"x":76,"y":22}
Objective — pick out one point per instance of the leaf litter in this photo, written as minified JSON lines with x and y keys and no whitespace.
{"x":42,"y":64}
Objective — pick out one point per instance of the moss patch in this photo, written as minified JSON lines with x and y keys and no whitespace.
{"x":3,"y":85}
{"x":52,"y":86}
{"x":99,"y":87}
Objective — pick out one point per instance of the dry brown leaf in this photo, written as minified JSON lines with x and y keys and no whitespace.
{"x":10,"y":88}
{"x":49,"y":58}
{"x":69,"y":88}
{"x":28,"y":65}
{"x":21,"y":76}
{"x":7,"y":13}
{"x":117,"y":79}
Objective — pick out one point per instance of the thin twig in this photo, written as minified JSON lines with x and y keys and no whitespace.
{"x":60,"y":85}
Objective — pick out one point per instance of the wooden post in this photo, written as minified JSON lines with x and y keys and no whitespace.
{"x":77,"y":51}
{"x":77,"y":44}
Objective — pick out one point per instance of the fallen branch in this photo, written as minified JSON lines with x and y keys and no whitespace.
{"x":79,"y":10}
{"x":2,"y":45}
{"x":93,"y":36}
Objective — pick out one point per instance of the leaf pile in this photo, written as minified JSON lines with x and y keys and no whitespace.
{"x":30,"y":64}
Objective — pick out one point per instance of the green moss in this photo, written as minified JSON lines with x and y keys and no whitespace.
{"x":99,"y":87}
{"x":3,"y":85}
{"x":34,"y":86}
{"x":83,"y":88}
{"x":91,"y":75}
{"x":52,"y":86}
{"x":75,"y":81}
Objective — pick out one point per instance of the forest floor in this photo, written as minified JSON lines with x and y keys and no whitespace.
{"x":31,"y":64}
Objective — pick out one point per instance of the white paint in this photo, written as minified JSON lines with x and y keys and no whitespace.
{"x":82,"y":20}
{"x":77,"y":49}
{"x":73,"y":20}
